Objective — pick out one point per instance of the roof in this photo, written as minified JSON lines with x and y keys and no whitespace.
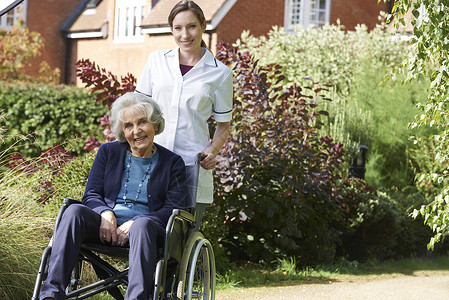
{"x":90,"y":19}
{"x":91,"y":22}
{"x":92,"y":3}
{"x":7,"y":5}
{"x":157,"y":20}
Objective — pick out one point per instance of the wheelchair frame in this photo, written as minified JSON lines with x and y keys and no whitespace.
{"x":185,"y":268}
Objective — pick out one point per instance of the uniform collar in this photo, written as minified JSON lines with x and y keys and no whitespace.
{"x":207,"y":59}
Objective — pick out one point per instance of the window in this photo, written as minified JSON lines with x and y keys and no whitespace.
{"x":306,"y":13}
{"x":13,"y":16}
{"x":128,"y":15}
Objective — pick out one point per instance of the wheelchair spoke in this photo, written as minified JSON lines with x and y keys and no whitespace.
{"x":201,"y":277}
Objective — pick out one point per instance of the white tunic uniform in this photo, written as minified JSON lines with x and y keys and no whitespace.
{"x":187,"y":102}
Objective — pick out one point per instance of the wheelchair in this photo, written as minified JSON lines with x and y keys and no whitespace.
{"x":185,"y":267}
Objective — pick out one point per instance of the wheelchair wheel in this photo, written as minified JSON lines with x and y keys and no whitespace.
{"x":42,"y":273}
{"x":75,"y":276}
{"x":197,"y":271}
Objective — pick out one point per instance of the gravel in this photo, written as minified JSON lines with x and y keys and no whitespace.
{"x":419,"y":285}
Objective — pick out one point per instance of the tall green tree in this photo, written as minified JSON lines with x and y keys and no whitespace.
{"x":430,"y":42}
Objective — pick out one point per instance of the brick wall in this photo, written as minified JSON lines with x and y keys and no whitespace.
{"x":257,"y":16}
{"x":47,"y":17}
{"x":353,"y":12}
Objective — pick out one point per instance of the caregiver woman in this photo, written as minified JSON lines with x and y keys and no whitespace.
{"x":190,"y":85}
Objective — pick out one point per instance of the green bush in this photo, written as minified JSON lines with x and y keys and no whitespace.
{"x":50,"y":114}
{"x":378,"y":224}
{"x":366,"y":109}
{"x":414,"y":235}
{"x":372,"y":222}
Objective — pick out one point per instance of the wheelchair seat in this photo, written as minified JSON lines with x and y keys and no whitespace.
{"x":115,"y":251}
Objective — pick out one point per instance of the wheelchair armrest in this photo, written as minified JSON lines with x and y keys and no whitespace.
{"x":183,"y":215}
{"x":65,"y":203}
{"x":179,"y":214}
{"x":69,"y":201}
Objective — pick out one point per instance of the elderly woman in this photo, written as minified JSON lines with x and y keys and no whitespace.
{"x":133,"y":187}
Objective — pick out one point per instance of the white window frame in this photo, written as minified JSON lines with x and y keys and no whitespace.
{"x":17,"y":13}
{"x":128,"y":17}
{"x":306,"y":13}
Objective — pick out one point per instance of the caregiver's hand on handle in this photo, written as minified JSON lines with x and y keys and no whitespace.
{"x":220,"y":136}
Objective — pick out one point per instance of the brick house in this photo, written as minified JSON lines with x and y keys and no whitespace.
{"x":119,"y":34}
{"x":45,"y":17}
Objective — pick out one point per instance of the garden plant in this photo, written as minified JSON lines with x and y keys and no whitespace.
{"x":47,"y":115}
{"x":367,"y":108}
{"x":17,"y":47}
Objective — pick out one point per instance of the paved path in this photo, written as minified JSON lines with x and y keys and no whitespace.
{"x":421,"y":285}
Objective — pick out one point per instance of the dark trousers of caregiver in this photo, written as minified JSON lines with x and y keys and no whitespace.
{"x":80,"y":224}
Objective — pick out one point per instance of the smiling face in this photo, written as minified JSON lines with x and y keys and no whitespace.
{"x":138,"y":131}
{"x":188,"y":31}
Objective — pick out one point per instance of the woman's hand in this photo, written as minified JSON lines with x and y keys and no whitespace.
{"x":220,"y":136}
{"x":108,"y":226}
{"x":122,"y":233}
{"x":208,"y":162}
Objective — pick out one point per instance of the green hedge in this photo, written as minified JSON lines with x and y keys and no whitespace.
{"x":329,"y":54}
{"x":47,"y":115}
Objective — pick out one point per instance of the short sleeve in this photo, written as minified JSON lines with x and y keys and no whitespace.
{"x":223,"y":98}
{"x":144,"y":81}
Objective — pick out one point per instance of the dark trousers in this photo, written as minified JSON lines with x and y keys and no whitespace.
{"x":80,"y":224}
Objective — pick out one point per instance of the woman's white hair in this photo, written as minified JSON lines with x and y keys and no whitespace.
{"x":137,"y":102}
